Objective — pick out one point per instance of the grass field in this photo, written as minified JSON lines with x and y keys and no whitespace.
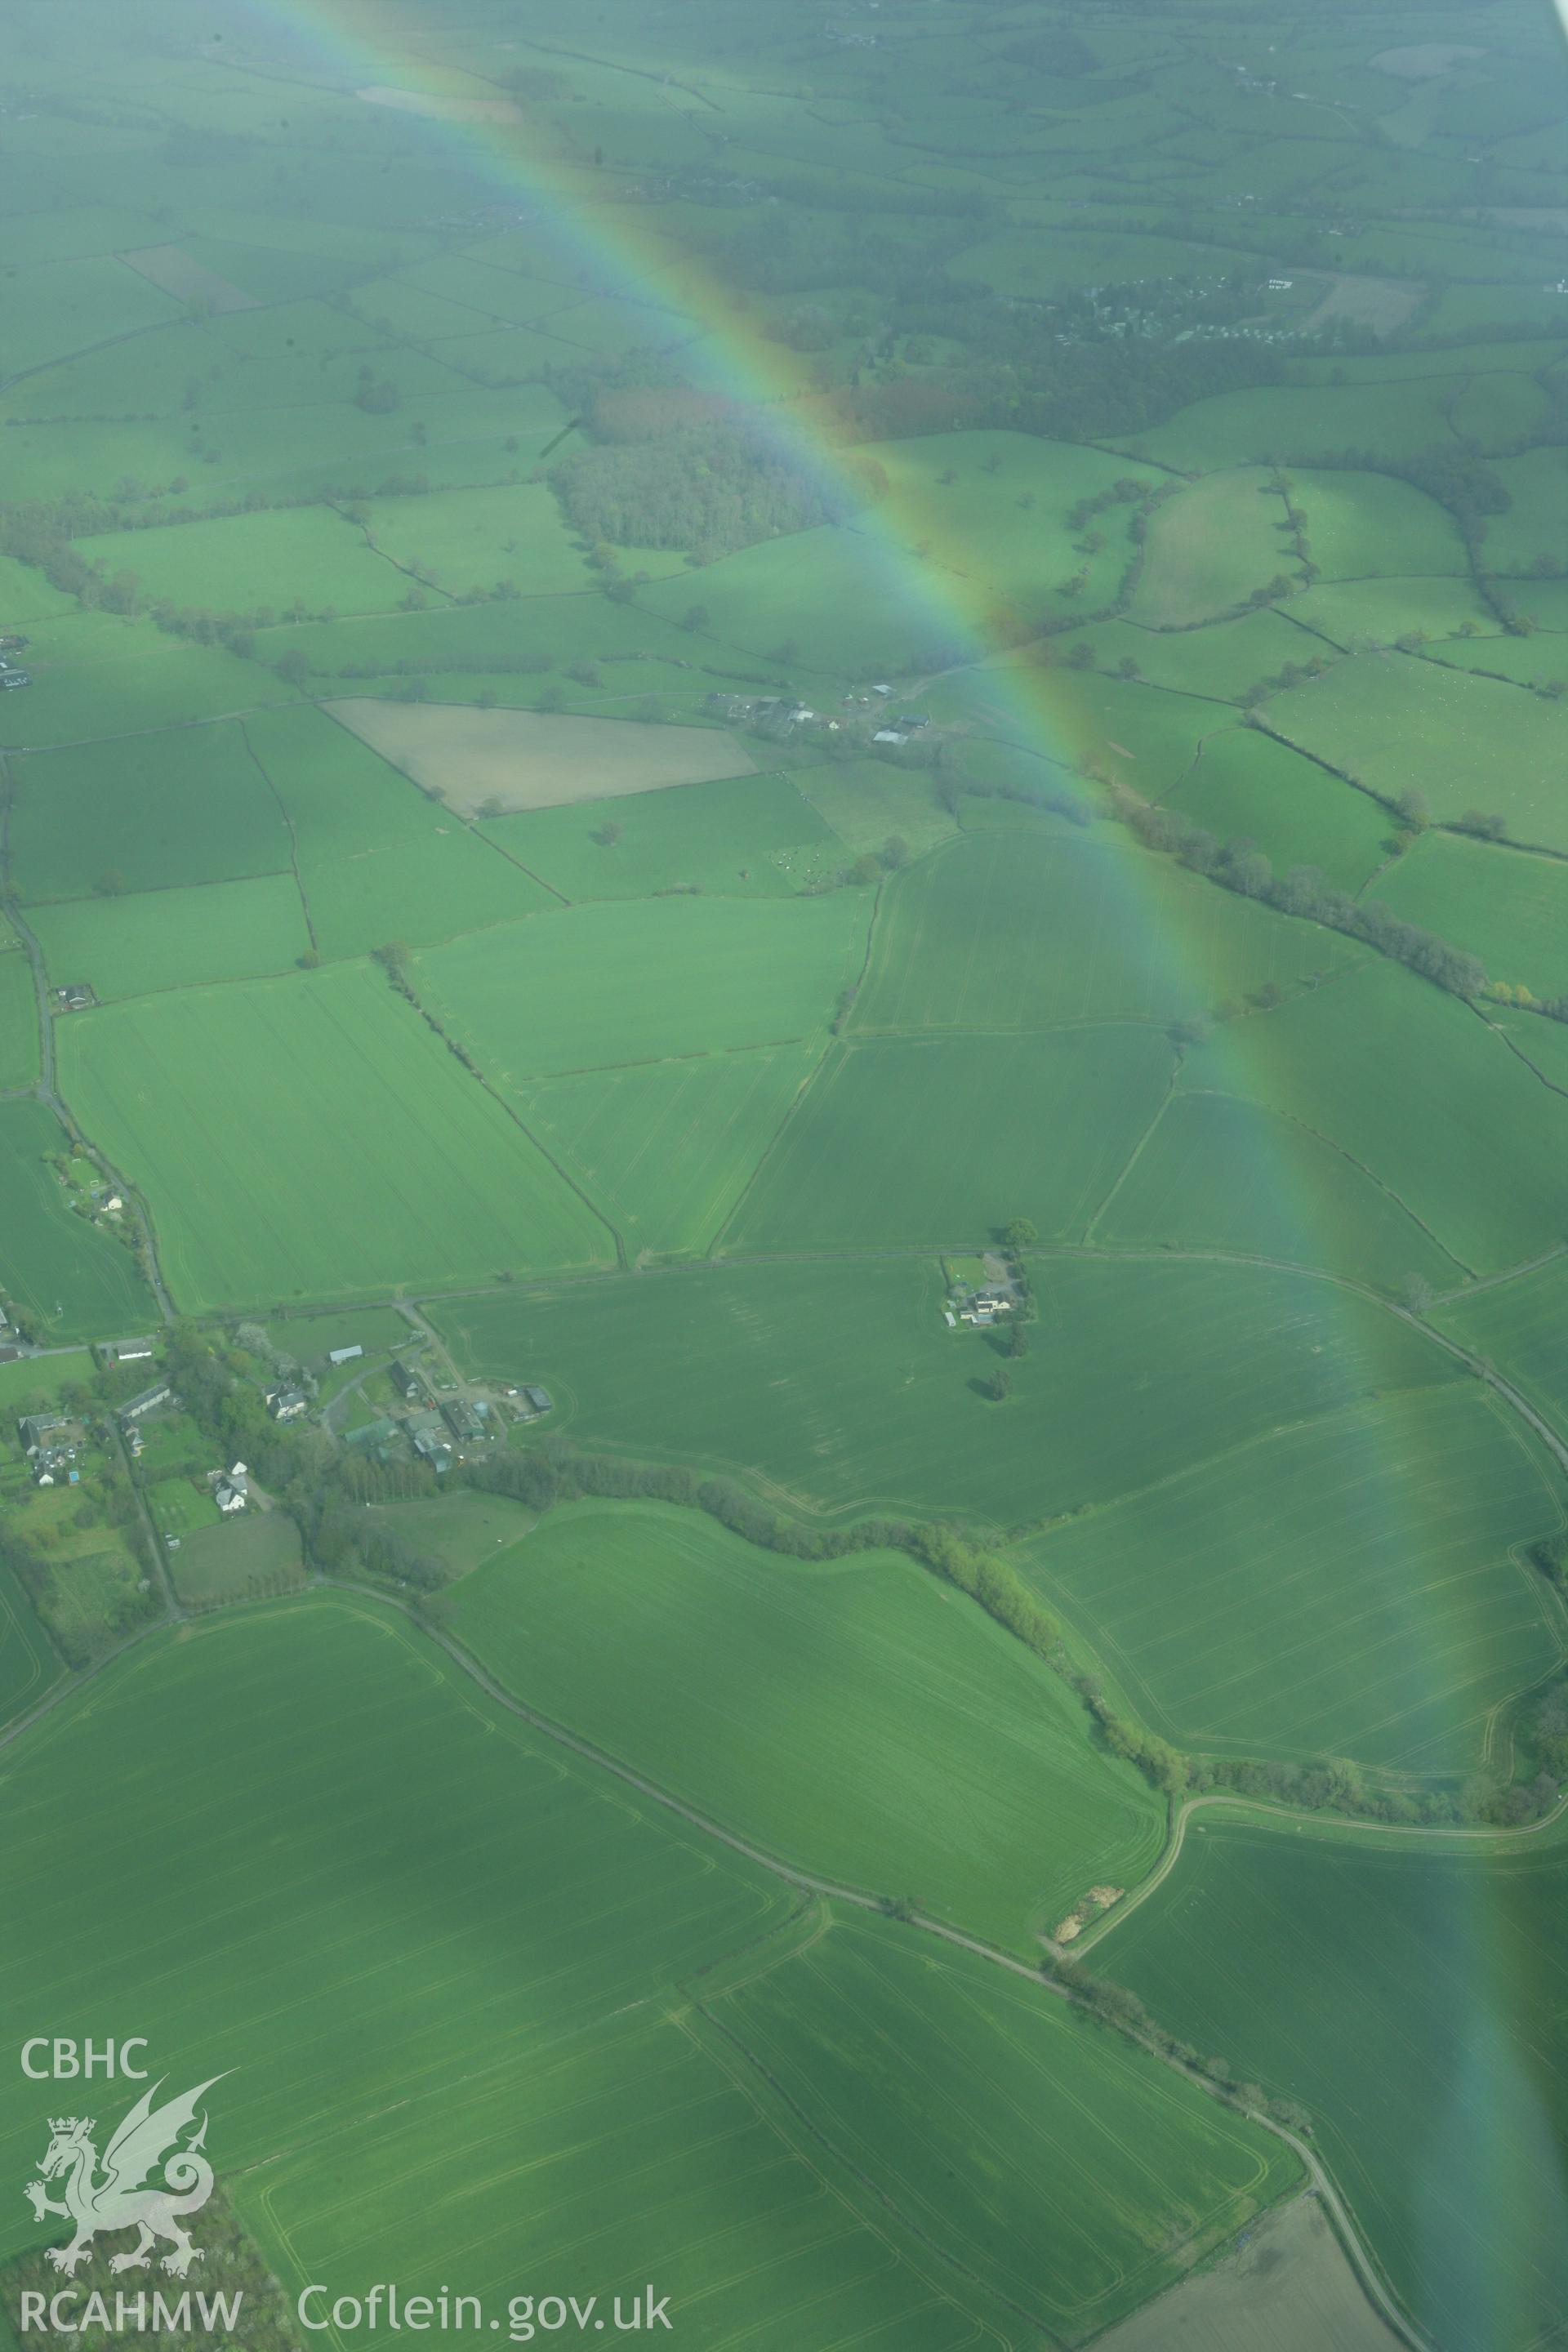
{"x":1369,"y":1983}
{"x":1218,"y":1173}
{"x":156,"y":940}
{"x":378,"y":861}
{"x":463,"y":1529}
{"x":79,"y":1281}
{"x":1522,"y":1327}
{"x":840,"y":1388}
{"x":308,"y":555}
{"x":311,"y":1138}
{"x":160,"y":812}
{"x":259,"y":1553}
{"x":526,"y":759}
{"x":1421,"y":1116}
{"x":1339,"y":1587}
{"x":555,"y":1911}
{"x":936,"y":1139}
{"x":1086,"y":2200}
{"x":665,"y":1149}
{"x":1247,"y":786}
{"x":1367,"y":526}
{"x":1004,"y":932}
{"x":18,"y":1017}
{"x":30,"y":1666}
{"x":859,"y":1719}
{"x":1209,"y":549}
{"x":746,"y":836}
{"x":1399,"y":724}
{"x":610,"y":985}
{"x":1508,"y":909}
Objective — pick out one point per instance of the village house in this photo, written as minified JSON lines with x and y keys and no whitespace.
{"x":147,"y":1402}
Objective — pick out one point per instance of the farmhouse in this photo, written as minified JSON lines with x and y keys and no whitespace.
{"x":73,"y":996}
{"x":406,"y":1381}
{"x":287,"y":1404}
{"x":148,"y":1402}
{"x":35,"y":1429}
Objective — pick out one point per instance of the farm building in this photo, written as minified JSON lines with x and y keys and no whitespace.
{"x":35,"y":1429}
{"x":73,"y":996}
{"x":147,"y":1402}
{"x":343,"y":1355}
{"x":539,"y":1399}
{"x":464,"y":1420}
{"x":405,"y":1381}
{"x":126,"y":1351}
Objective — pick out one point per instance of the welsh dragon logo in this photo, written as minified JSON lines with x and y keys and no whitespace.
{"x":122,"y":2196}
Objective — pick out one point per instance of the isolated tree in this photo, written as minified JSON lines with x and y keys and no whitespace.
{"x":1019,"y":1234}
{"x":1001,"y":1382}
{"x":607,"y":833}
{"x":111,"y":885}
{"x":1018,"y":1338}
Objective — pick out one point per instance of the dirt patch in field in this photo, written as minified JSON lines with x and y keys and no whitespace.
{"x":498,"y":760}
{"x":172,"y":269}
{"x":1285,"y":2286}
{"x":1380,"y":303}
{"x":1425,"y":60}
{"x":448,"y":110}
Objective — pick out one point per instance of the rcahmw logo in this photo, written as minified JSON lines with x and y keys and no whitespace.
{"x":151,"y":2177}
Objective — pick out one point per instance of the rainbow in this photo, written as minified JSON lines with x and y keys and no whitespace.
{"x":376,"y":46}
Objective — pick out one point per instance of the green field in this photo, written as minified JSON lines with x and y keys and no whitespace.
{"x":1423,"y":1116}
{"x":1248,"y":787}
{"x":1370,"y":526}
{"x":461,"y":1529}
{"x":1343,"y":1586}
{"x":157,"y":812}
{"x":237,"y":1560}
{"x":159,"y":940}
{"x":18,"y":1018}
{"x":1401,"y":725}
{"x":609,"y":985}
{"x":838,"y":1387}
{"x":1522,"y":1327}
{"x":1370,"y":1983}
{"x":1507,"y":907}
{"x":666,"y":1149}
{"x":1005,"y":933}
{"x":29,"y":1663}
{"x":377,"y":860}
{"x":311,"y":1138}
{"x":77,"y":1279}
{"x":745,"y":836}
{"x":308,"y":555}
{"x":1215,"y":1173}
{"x":859,"y":1719}
{"x":938,"y":1139}
{"x":1085,"y":2199}
{"x":1209,"y":548}
{"x":505,"y":1882}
